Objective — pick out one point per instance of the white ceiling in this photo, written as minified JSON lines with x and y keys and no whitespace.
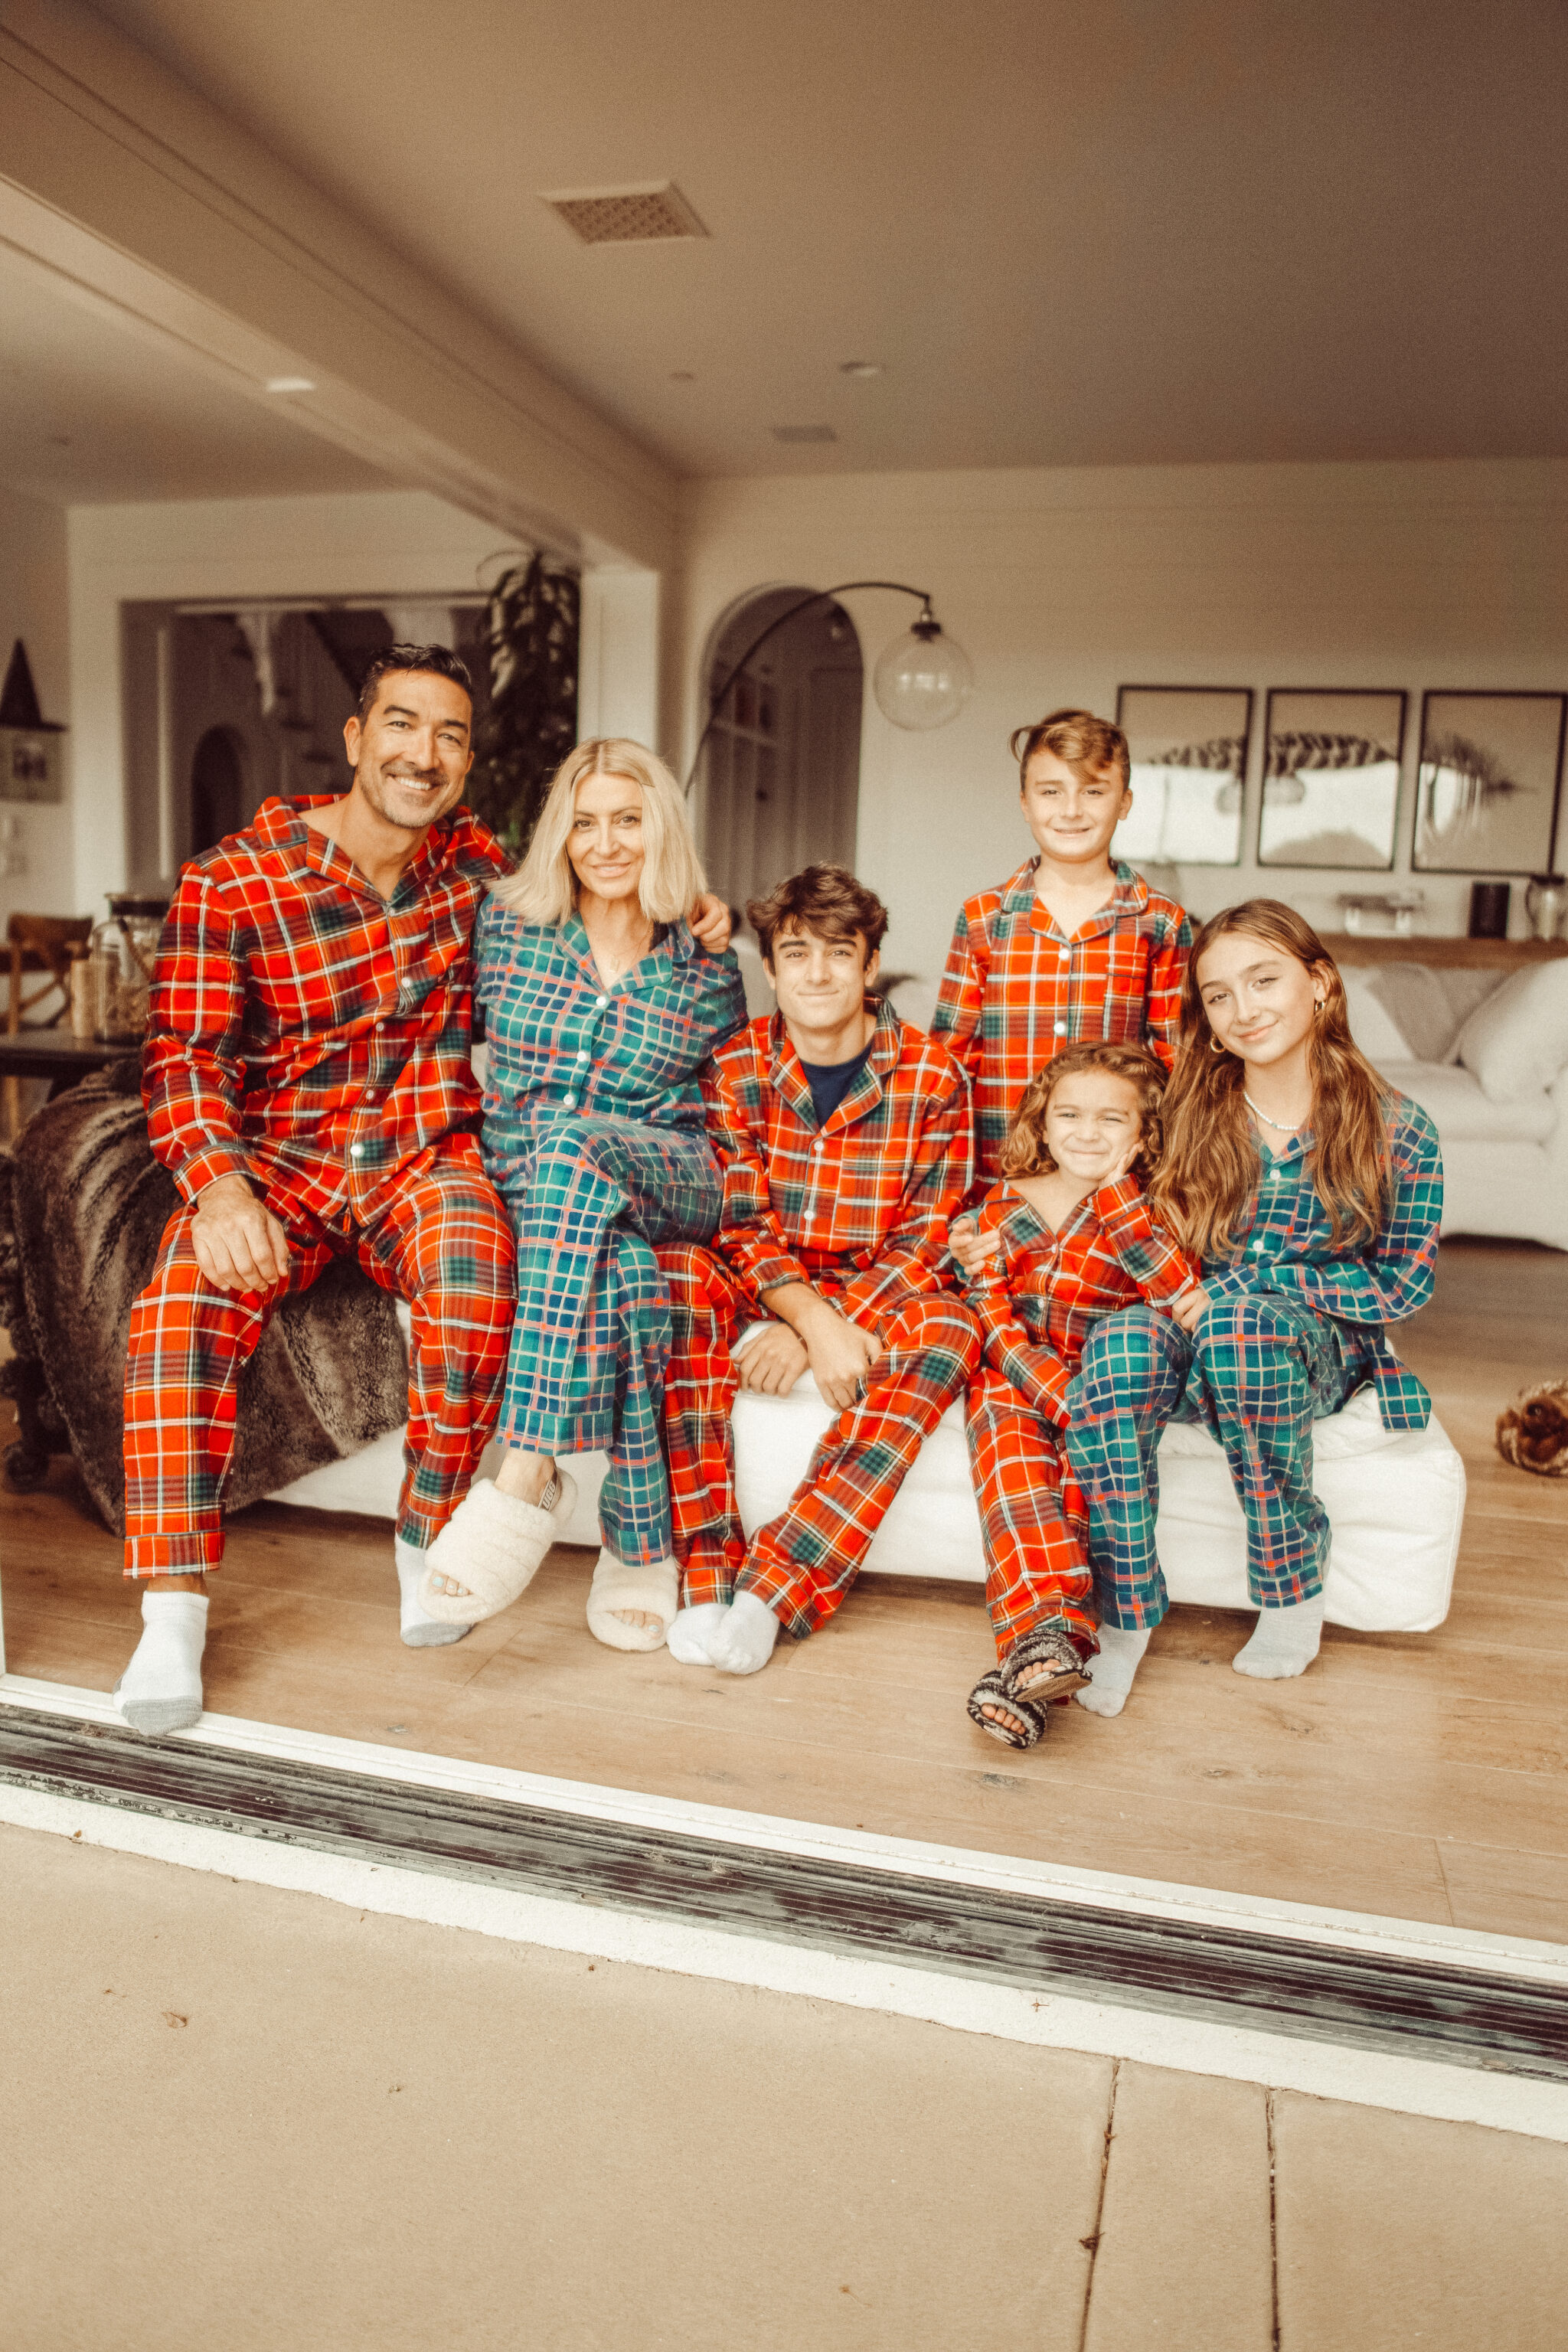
{"x":94,"y":410}
{"x":1072,"y":231}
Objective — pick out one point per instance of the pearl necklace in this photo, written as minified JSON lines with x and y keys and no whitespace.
{"x":1280,"y":1126}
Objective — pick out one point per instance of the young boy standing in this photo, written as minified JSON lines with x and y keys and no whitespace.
{"x":1074,"y":946}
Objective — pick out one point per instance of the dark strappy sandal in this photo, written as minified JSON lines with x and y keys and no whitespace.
{"x":1047,"y":1646}
{"x":993,"y":1687}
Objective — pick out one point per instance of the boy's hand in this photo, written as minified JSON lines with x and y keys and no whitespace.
{"x":772,"y":1361}
{"x":973,"y":1252}
{"x":711,"y":923}
{"x":841,"y":1355}
{"x":1188,"y":1309}
{"x":237,"y":1241}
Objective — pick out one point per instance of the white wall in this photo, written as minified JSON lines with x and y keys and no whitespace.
{"x":1063,"y":584}
{"x":395,"y":545}
{"x":34,"y":606}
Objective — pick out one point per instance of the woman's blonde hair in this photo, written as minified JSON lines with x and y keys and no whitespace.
{"x":1027,"y":1153}
{"x":1211,"y":1165}
{"x":545,"y":888}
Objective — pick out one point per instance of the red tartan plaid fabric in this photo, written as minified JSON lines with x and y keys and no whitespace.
{"x":1016,"y":991}
{"x":441,"y":1240}
{"x":803,"y":1562}
{"x":866,"y":1198}
{"x":305,"y":1031}
{"x":1042,"y":1293}
{"x":1032,"y":1518}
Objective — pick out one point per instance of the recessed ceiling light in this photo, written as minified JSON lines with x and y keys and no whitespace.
{"x":804,"y":432}
{"x":291,"y":383}
{"x":860,"y":367}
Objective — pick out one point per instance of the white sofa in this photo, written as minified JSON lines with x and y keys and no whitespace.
{"x":1395,"y":1502}
{"x":1495,"y":1081}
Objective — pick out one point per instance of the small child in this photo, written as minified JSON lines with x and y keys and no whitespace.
{"x":1073,"y":947}
{"x":1067,"y":1239}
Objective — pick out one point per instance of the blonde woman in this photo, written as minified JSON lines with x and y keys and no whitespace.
{"x":601,"y":1006}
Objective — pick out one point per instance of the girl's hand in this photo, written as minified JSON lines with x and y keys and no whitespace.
{"x":711,"y":923}
{"x":1188,"y":1309}
{"x":1122,"y":1164}
{"x":973,"y":1252}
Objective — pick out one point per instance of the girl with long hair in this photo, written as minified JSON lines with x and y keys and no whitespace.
{"x":600,"y":1007}
{"x":1075,"y":1241}
{"x":1312,"y":1193}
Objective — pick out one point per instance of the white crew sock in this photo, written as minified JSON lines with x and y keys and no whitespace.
{"x":690,"y":1637}
{"x":161,"y":1689}
{"x":1113,"y":1670}
{"x":744,"y":1644}
{"x":1284,"y":1641}
{"x":420,"y":1633}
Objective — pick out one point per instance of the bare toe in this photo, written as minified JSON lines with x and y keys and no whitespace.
{"x":635,"y":1617}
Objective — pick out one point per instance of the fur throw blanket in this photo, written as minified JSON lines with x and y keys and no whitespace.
{"x":78,"y":1233}
{"x":1533,"y":1431}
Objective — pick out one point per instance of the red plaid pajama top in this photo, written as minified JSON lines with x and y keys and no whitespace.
{"x":1016,"y":989}
{"x":305,"y":1031}
{"x":1038,"y":1299}
{"x":866,"y":1198}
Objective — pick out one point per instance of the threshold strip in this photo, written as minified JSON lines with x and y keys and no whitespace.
{"x":1422,"y":2008}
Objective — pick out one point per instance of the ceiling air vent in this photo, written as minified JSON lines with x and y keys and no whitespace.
{"x":654,"y":209}
{"x":804,"y":432}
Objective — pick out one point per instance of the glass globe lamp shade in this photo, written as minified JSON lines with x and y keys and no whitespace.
{"x":922,"y":678}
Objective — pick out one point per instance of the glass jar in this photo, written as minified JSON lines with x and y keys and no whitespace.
{"x":1546,"y":903}
{"x":123,"y":953}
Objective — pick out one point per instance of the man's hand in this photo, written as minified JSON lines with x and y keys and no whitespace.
{"x":772,"y":1361}
{"x":238,"y":1244}
{"x":973,"y":1253}
{"x":1188,"y":1309}
{"x":711,"y":923}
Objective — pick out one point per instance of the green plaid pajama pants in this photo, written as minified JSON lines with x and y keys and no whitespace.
{"x":587,"y":1198}
{"x":1259,"y":1370}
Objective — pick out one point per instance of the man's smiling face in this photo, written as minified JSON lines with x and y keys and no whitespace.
{"x":412,"y":755}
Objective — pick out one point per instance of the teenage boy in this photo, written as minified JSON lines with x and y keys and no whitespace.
{"x":1073,"y":947}
{"x":844,"y":1139}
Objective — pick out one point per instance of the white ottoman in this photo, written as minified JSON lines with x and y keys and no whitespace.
{"x":1395,"y":1501}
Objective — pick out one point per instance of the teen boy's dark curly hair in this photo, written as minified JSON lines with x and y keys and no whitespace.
{"x":1024,"y":1152}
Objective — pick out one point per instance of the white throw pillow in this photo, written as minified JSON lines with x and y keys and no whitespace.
{"x":1515,"y":1042}
{"x":1373,"y":1026}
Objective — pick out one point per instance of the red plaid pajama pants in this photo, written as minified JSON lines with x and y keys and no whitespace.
{"x":803,"y":1562}
{"x":1032,"y":1518}
{"x":442,"y":1241}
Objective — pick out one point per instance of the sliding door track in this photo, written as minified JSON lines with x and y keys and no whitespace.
{"x":1262,"y":1978}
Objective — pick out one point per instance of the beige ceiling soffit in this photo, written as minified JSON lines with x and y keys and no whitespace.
{"x":149,"y":311}
{"x":121,"y":214}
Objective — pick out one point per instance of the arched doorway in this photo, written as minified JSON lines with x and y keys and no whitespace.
{"x":780,"y":769}
{"x":218,"y":804}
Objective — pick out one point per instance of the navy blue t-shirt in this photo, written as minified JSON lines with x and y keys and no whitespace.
{"x":831,"y":1081}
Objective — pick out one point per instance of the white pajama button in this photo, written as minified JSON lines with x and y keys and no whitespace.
{"x":601,"y":1001}
{"x":354,"y":1151}
{"x":571,"y":1102}
{"x":1061,"y":1028}
{"x":583,"y":1055}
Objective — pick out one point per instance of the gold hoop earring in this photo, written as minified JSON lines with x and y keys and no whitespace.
{"x":1214,"y":1045}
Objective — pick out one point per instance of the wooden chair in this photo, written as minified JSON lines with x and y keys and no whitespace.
{"x":48,"y":944}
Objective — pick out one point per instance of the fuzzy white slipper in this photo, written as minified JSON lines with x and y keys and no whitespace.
{"x":655,"y":1589}
{"x":493,"y":1544}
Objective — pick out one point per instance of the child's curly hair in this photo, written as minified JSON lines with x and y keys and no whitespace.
{"x":1025,"y":1153}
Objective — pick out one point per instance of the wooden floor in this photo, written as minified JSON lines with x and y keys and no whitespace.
{"x":1424,"y":1776}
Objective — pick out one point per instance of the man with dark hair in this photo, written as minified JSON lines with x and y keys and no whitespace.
{"x":844,"y":1139}
{"x":308,"y":1083}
